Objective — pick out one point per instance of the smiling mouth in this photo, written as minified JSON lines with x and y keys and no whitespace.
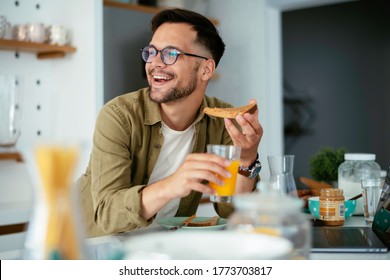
{"x":159,"y":77}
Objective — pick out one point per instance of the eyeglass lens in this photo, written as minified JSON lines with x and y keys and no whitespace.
{"x":168,"y":55}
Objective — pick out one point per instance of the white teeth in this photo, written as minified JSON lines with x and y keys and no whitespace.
{"x":161,"y":78}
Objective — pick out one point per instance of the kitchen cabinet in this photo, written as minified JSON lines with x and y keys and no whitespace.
{"x":43,"y":51}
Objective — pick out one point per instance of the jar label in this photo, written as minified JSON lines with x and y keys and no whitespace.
{"x":332,"y":210}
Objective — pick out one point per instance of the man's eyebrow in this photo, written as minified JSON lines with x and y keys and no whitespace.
{"x":169,"y":46}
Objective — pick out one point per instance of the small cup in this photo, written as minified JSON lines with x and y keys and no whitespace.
{"x":19,"y":32}
{"x":35,"y":32}
{"x":371,"y":189}
{"x":57,"y":35}
{"x":225,"y":192}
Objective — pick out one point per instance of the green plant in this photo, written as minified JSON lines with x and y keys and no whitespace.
{"x":325,"y":163}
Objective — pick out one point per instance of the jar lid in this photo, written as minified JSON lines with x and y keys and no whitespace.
{"x":267,"y":202}
{"x":359,"y":156}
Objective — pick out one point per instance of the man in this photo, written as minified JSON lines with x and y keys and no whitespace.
{"x":149,"y":155}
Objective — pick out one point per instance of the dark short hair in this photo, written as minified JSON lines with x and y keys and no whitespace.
{"x":207,"y":34}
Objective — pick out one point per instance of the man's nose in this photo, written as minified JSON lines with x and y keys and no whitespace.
{"x":157,"y":60}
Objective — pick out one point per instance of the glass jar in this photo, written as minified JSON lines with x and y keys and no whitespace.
{"x":274,"y":215}
{"x":332,"y":207}
{"x":350,"y":173}
{"x":55,"y":230}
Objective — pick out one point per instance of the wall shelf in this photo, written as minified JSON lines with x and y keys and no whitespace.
{"x":141,"y":8}
{"x":43,"y":51}
{"x":11,"y":156}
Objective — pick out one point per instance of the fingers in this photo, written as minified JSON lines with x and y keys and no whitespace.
{"x":250,"y":133}
{"x":247,"y":134}
{"x":250,"y":125}
{"x":207,"y":167}
{"x":196,"y":169}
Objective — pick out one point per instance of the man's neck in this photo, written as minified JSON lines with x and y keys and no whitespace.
{"x":179,"y":116}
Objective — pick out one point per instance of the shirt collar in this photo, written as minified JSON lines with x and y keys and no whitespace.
{"x":152,"y":109}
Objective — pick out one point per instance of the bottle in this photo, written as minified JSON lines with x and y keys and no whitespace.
{"x":273,"y":215}
{"x":332,"y":207}
{"x":350,"y":173}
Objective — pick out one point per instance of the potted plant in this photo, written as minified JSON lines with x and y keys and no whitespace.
{"x":325,"y":163}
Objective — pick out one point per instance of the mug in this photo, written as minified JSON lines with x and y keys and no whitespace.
{"x":5,"y":26}
{"x":57,"y":35}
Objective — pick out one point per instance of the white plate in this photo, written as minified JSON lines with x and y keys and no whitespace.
{"x":206,"y":245}
{"x":176,"y":221}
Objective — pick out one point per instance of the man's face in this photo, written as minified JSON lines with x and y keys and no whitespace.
{"x":172,"y":82}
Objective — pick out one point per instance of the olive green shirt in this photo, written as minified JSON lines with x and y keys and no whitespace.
{"x":126,"y":144}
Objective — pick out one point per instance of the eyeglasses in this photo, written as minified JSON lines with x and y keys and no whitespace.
{"x":168,"y":55}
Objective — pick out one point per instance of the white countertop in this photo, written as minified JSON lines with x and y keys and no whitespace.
{"x":16,"y":193}
{"x":104,"y":243}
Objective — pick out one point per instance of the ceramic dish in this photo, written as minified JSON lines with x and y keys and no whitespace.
{"x":176,"y":221}
{"x":206,"y":245}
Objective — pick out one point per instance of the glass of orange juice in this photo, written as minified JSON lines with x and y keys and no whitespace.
{"x":225,"y":192}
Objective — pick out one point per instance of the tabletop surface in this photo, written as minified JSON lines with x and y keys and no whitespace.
{"x":352,"y":221}
{"x":103,"y":247}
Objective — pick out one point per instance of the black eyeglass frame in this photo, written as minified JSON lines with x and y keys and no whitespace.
{"x":178,"y":53}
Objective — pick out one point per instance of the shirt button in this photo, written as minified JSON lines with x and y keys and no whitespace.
{"x":157,"y":146}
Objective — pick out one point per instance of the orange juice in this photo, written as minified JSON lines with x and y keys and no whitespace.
{"x":227,"y":189}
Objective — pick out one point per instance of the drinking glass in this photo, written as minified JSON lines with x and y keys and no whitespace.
{"x":372,"y":190}
{"x":225,"y":192}
{"x":10,"y":110}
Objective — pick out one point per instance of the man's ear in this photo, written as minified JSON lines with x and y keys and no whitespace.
{"x":208,"y":69}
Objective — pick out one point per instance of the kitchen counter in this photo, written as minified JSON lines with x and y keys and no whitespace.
{"x":16,"y":203}
{"x":102,"y":244}
{"x":16,"y":193}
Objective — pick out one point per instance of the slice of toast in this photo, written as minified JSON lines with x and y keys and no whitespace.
{"x":230,"y":113}
{"x":207,"y":223}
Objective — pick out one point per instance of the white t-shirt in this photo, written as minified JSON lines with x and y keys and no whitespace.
{"x":177,"y":145}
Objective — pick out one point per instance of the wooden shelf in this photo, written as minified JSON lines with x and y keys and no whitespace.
{"x":141,"y":8}
{"x":43,"y":51}
{"x":11,"y":156}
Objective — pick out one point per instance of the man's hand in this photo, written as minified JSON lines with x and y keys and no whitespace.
{"x":248,"y":135}
{"x":196,"y":169}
